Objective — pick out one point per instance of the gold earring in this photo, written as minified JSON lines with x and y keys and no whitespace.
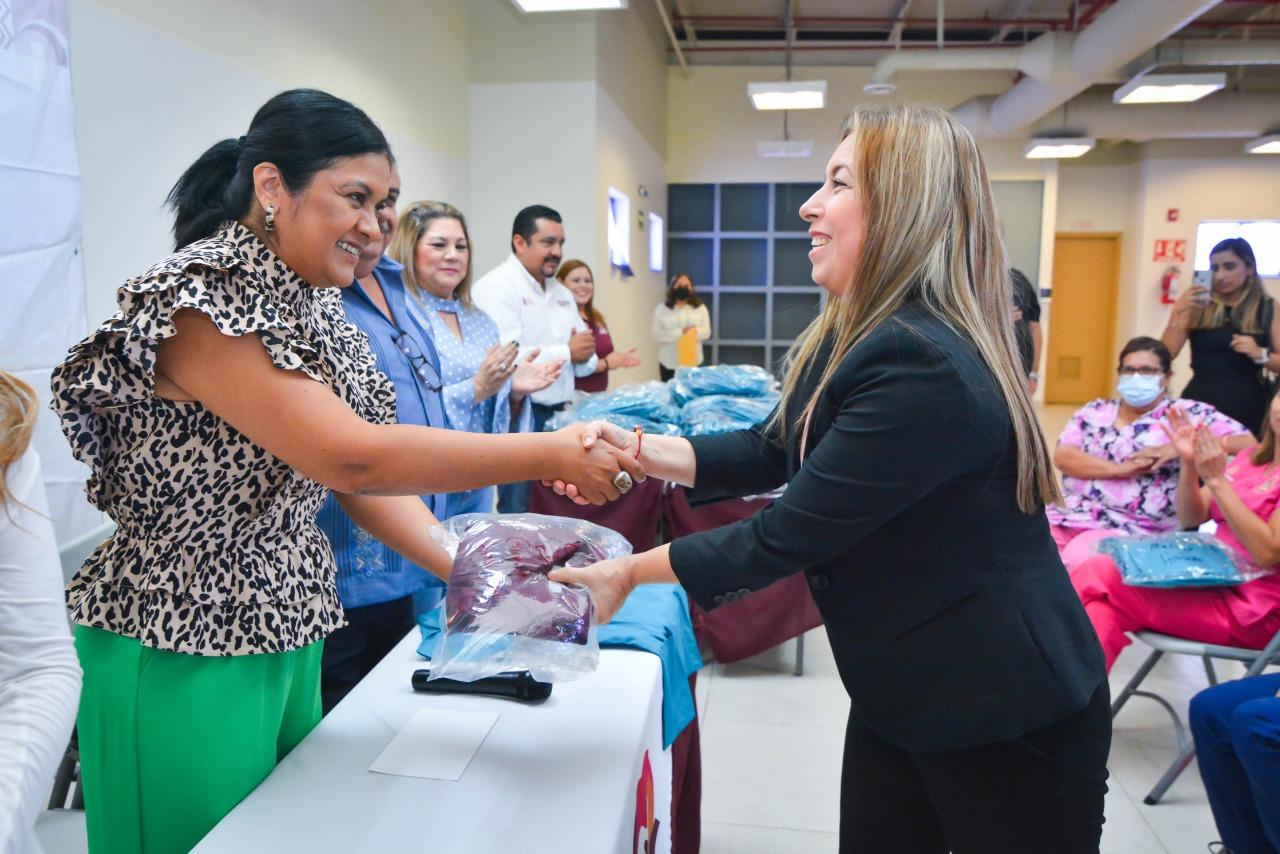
{"x":269,"y":221}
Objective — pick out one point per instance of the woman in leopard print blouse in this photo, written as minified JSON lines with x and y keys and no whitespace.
{"x":216,"y":410}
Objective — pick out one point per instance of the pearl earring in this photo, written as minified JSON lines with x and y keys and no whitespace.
{"x":269,"y":221}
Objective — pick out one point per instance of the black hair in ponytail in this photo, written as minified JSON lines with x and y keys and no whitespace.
{"x":301,"y":131}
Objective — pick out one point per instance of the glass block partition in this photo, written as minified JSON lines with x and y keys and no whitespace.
{"x":747,"y":250}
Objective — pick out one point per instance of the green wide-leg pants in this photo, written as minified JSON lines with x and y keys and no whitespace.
{"x":170,"y":743}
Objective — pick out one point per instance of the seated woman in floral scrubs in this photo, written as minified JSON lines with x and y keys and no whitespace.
{"x":1243,"y":496}
{"x":1120,"y":471}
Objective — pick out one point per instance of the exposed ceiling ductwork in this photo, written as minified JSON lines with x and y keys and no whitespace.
{"x":1036,"y":59}
{"x":1225,"y":115}
{"x":1049,"y":55}
{"x":1205,"y":52}
{"x":1118,"y":36}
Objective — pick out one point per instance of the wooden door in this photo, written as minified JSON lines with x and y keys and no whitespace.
{"x":1082,"y":318}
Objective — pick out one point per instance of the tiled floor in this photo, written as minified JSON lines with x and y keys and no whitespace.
{"x":772,"y":745}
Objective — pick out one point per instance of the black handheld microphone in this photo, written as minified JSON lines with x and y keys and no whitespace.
{"x":516,"y":685}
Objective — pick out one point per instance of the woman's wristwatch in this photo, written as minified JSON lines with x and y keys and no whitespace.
{"x":1263,"y":357}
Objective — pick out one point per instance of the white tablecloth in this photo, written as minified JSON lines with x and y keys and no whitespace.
{"x":557,"y":777}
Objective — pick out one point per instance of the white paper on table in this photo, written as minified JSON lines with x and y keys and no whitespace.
{"x":436,"y":744}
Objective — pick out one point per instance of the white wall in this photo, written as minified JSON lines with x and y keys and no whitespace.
{"x":1244,"y":187}
{"x":627,"y":161}
{"x":156,"y":83}
{"x":520,"y":156}
{"x":1134,"y":200}
{"x":712,"y":130}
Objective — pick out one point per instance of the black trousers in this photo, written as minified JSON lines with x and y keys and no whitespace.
{"x":353,"y":650}
{"x":666,"y":373}
{"x":1041,"y":793}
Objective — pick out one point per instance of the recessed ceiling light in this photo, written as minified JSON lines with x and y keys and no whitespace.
{"x":567,"y":5}
{"x":1048,"y":148}
{"x":1269,"y":144}
{"x":785,"y":148}
{"x":789,"y":95}
{"x":1169,"y":88}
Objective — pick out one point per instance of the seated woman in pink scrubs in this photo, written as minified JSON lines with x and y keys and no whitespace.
{"x":1120,"y":470}
{"x":1242,"y":496}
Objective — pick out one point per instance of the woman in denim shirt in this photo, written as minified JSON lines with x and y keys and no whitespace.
{"x":485,"y":389}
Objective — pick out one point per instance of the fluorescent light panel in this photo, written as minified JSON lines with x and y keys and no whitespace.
{"x":1049,"y":148}
{"x":785,"y":148}
{"x":1169,"y":88}
{"x":1269,"y":144}
{"x":789,"y":95}
{"x":568,"y":5}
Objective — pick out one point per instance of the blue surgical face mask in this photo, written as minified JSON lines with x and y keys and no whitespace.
{"x":1138,"y":390}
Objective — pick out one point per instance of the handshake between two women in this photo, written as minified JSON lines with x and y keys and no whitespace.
{"x":602,"y":436}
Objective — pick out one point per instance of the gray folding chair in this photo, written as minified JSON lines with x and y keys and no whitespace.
{"x":75,"y":552}
{"x":66,"y":789}
{"x":1255,"y":661}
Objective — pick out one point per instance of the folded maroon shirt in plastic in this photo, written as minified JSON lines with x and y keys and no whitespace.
{"x":502,"y":612}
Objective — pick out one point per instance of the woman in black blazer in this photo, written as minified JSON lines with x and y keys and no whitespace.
{"x":917,"y":477}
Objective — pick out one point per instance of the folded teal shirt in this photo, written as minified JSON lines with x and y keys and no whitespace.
{"x":655,"y":619}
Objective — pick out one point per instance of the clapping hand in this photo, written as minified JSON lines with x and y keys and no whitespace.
{"x":622,"y":359}
{"x":1182,"y":433}
{"x":498,"y":366}
{"x":582,"y":346}
{"x":530,"y":377}
{"x":1211,"y":456}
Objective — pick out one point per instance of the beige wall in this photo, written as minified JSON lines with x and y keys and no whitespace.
{"x":509,"y":47}
{"x":157,"y":83}
{"x":1134,"y":200}
{"x":516,"y":162}
{"x":626,"y":161}
{"x":712,"y":130}
{"x":631,"y":67}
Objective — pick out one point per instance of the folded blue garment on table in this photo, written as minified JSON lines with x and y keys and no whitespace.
{"x":648,"y":405}
{"x":1178,"y":559}
{"x":722,"y":413}
{"x":736,"y":380}
{"x":655,"y":619}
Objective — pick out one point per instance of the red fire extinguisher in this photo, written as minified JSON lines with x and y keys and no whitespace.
{"x":1169,"y":285}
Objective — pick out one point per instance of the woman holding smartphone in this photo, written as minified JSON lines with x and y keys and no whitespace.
{"x":1231,"y":327}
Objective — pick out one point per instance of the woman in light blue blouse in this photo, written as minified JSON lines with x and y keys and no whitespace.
{"x":485,"y":389}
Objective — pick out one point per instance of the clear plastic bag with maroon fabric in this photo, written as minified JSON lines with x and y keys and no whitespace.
{"x":502,"y":612}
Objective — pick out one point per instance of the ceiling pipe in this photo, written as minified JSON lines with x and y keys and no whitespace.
{"x":1205,"y":52}
{"x":1037,"y":58}
{"x":671,"y":34}
{"x":1116,"y":37}
{"x":1225,"y":115}
{"x":1047,"y":55}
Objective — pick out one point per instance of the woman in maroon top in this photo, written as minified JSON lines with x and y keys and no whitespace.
{"x":576,"y":276}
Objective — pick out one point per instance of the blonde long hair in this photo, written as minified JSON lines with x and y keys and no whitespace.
{"x":932,"y":234}
{"x":17,"y":421}
{"x":414,"y":223}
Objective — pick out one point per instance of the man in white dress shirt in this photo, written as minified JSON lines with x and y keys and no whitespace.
{"x":530,"y":306}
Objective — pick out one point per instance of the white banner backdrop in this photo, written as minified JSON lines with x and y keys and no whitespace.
{"x":41,"y":276}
